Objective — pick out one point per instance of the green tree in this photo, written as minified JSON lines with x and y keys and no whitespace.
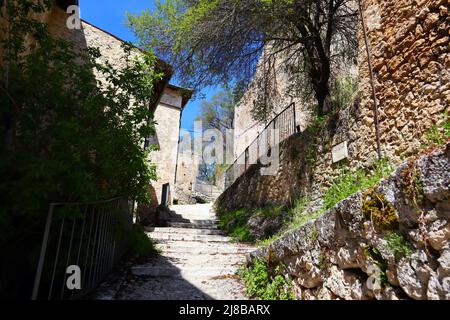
{"x":218,"y":41}
{"x":64,"y":135}
{"x":218,"y":114}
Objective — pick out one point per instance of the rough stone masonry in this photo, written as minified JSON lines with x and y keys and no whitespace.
{"x":396,"y":234}
{"x":409,"y":41}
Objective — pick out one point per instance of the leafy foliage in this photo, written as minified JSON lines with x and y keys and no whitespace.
{"x":221,"y":41}
{"x":262,"y":285}
{"x":65,"y":136}
{"x":140,"y":244}
{"x":218,"y":112}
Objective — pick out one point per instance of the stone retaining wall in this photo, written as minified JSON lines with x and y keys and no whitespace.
{"x":409,"y":41}
{"x":341,"y":253}
{"x":305,"y":166}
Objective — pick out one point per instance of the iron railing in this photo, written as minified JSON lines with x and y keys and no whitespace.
{"x":91,"y":236}
{"x":284,"y":122}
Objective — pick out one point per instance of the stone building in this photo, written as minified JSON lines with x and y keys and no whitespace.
{"x":168,"y":121}
{"x":168,"y":100}
{"x":187,"y":172}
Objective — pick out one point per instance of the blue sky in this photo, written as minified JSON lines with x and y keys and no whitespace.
{"x":110,"y":16}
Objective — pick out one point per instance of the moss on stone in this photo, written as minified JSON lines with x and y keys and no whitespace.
{"x":380,"y":211}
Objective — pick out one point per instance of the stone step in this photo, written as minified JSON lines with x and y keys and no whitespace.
{"x":172,"y":230}
{"x":180,"y":289}
{"x":208,"y":260}
{"x":182,"y":248}
{"x":193,"y":219}
{"x":191,"y":225}
{"x":205,"y":208}
{"x":184,"y":273}
{"x":183,"y":260}
{"x":158,"y":236}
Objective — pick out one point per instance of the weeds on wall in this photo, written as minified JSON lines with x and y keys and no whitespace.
{"x":351,"y":182}
{"x":398,"y":245}
{"x":412,"y":185}
{"x":413,"y":191}
{"x":234,"y":223}
{"x":381,"y":263}
{"x":263,"y":284}
{"x":314,"y":129}
{"x":297,"y":219}
{"x":438,"y":135}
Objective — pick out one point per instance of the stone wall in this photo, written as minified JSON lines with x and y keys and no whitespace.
{"x":305,"y":167}
{"x":351,"y":246}
{"x":187,"y":170}
{"x":409,"y":41}
{"x":167,"y":114}
{"x":246,"y":128}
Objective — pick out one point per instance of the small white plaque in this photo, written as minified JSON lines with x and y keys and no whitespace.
{"x":339,"y":152}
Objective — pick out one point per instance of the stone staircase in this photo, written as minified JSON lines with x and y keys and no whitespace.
{"x":197,"y":260}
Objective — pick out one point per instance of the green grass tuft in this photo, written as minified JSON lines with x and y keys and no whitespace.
{"x":140,"y":244}
{"x":261,"y":284}
{"x":438,"y":135}
{"x":398,"y":245}
{"x":351,"y":182}
{"x":234,"y":223}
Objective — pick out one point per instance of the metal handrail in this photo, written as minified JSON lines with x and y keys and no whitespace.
{"x":290,"y":126}
{"x":89,"y":237}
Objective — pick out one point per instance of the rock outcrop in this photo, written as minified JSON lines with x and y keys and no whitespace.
{"x":347,"y":253}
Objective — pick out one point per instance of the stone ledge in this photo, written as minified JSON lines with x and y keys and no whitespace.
{"x":335,"y":260}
